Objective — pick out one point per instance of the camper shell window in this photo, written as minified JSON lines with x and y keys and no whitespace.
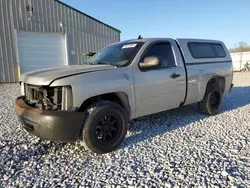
{"x":206,"y":50}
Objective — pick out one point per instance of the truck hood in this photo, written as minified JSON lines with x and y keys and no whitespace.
{"x":46,"y":76}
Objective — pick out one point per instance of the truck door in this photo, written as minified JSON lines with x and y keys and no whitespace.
{"x":162,"y":87}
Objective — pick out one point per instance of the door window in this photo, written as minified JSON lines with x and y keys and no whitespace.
{"x":164,"y":53}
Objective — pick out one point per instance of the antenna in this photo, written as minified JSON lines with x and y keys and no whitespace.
{"x":139,"y":37}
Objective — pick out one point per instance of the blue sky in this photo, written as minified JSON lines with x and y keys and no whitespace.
{"x":226,"y":20}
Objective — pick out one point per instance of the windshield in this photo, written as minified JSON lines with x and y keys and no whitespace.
{"x":120,"y":54}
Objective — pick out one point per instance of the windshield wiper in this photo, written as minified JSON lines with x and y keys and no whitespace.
{"x":104,"y":63}
{"x":88,"y":63}
{"x":99,"y":63}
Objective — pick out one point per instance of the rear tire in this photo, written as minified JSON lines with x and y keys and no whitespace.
{"x":212,"y":101}
{"x":105,"y":127}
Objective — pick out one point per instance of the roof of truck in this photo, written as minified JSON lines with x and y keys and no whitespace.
{"x":178,"y":39}
{"x":183,"y":43}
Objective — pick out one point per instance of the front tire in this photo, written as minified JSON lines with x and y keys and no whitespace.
{"x":105,"y":127}
{"x":212,"y":101}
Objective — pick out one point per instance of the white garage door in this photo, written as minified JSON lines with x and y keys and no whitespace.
{"x":40,"y":50}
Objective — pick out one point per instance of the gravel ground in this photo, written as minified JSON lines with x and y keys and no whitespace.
{"x":177,"y":148}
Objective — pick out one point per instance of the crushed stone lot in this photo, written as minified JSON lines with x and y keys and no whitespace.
{"x":180,"y":147}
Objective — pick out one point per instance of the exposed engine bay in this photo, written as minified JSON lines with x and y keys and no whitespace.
{"x":48,"y":98}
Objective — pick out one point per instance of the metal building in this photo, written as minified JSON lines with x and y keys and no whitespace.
{"x":38,"y":34}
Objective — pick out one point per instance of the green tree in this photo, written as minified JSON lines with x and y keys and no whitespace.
{"x":240,"y":47}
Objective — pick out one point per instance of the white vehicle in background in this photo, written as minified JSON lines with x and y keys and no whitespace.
{"x":125,"y":80}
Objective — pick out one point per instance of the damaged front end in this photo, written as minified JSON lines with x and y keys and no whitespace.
{"x":48,"y":98}
{"x":47,"y":112}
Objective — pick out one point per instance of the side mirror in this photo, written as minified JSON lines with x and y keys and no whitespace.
{"x":149,"y":62}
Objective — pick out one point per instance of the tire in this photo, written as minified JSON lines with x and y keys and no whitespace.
{"x":212,"y":101}
{"x":105,"y":127}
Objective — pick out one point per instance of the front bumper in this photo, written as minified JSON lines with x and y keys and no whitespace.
{"x":62,"y":126}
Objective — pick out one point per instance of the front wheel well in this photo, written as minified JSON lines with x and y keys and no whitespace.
{"x":120,"y":98}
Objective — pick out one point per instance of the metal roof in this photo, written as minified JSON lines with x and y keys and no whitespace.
{"x":86,"y":15}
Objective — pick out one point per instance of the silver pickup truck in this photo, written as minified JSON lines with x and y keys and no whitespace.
{"x":95,"y":101}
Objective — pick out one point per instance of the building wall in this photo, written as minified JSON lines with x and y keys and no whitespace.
{"x":83,"y":32}
{"x":240,"y":60}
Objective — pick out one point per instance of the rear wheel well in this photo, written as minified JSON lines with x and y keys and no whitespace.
{"x":120,"y":98}
{"x":217,"y":82}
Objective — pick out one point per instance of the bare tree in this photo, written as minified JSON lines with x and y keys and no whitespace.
{"x":240,"y":47}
